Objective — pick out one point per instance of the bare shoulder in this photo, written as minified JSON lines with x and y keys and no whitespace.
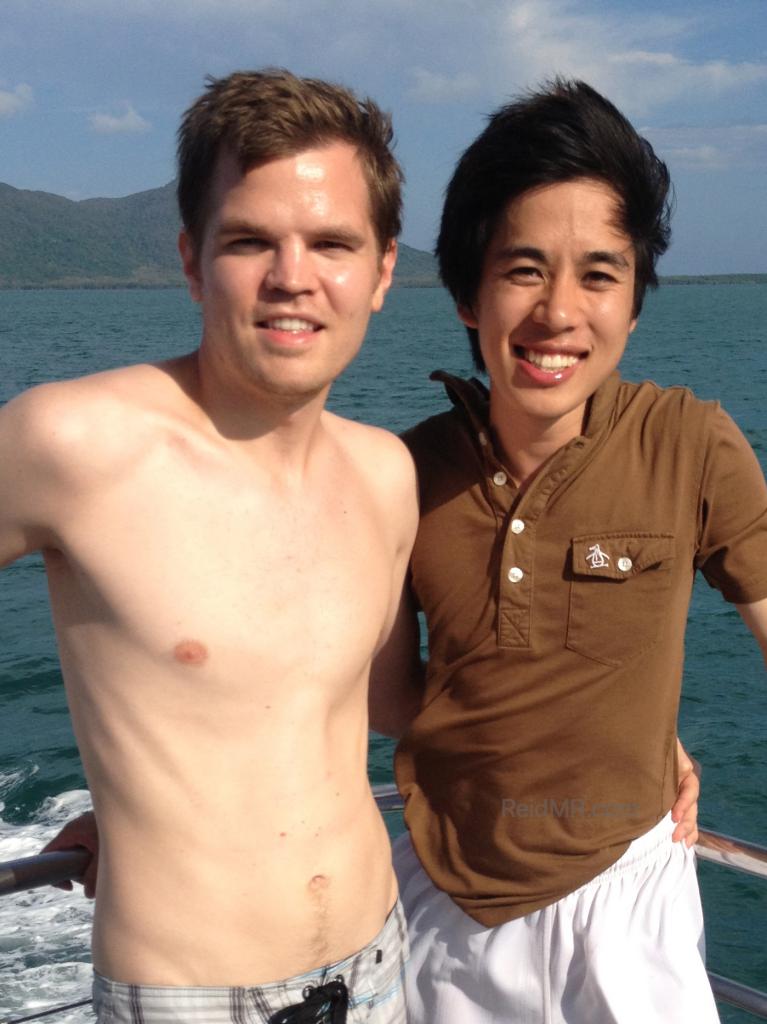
{"x":62,"y":445}
{"x":85,"y":424}
{"x":384,"y":462}
{"x":376,"y":451}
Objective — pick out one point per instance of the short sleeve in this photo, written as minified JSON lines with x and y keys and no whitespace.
{"x":732,"y":540}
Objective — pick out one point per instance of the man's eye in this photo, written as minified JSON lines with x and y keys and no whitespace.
{"x":333,"y":244}
{"x":599,"y":277}
{"x":523,"y":273}
{"x":247,"y":242}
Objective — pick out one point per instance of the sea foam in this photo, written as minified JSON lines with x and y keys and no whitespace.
{"x":44,"y":933}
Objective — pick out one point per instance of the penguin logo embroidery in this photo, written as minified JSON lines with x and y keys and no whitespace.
{"x":597,"y":558}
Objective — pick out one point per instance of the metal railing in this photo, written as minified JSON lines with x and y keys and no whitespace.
{"x":727,"y":851}
{"x":44,"y":869}
{"x":732,"y":853}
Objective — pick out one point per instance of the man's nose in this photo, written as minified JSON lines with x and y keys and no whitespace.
{"x":558,"y":307}
{"x":290,"y":269}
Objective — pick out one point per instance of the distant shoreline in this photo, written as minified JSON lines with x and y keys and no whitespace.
{"x":714,"y":279}
{"x":50,"y":243}
{"x":418,"y":281}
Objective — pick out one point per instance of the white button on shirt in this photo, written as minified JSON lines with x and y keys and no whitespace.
{"x":624,"y":564}
{"x":517,"y":526}
{"x":515,"y":574}
{"x":500,"y":478}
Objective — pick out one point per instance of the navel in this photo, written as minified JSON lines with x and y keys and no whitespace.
{"x":190,"y":652}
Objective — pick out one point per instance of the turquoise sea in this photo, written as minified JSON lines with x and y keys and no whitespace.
{"x":711,"y":338}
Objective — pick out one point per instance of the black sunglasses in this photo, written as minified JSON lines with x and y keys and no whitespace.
{"x":322,"y":1004}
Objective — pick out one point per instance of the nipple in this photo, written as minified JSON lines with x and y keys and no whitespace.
{"x":190,"y":652}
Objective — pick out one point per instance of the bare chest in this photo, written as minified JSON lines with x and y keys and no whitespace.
{"x":195,"y":568}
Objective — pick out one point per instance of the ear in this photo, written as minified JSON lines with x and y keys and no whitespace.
{"x":386,"y":273}
{"x":466,"y":315}
{"x":190,"y":264}
{"x":633,"y":324}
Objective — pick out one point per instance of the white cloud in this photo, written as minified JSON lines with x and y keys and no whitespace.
{"x":711,"y":148}
{"x":15,"y":101}
{"x":432,"y":87}
{"x":630,"y":57}
{"x":661,"y":77}
{"x":641,"y":60}
{"x":128,"y":123}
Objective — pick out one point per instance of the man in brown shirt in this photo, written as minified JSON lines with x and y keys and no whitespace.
{"x":563,"y":515}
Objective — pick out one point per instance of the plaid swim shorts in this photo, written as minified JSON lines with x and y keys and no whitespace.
{"x":373,"y":977}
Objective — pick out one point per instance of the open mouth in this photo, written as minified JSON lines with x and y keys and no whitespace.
{"x":549,"y":362}
{"x":291,"y":324}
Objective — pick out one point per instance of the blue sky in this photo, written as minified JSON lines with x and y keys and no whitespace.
{"x":91,"y":90}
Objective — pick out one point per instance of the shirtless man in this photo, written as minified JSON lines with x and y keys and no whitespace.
{"x":205,"y":523}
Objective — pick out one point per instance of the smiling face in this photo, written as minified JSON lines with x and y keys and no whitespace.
{"x":554,"y":306}
{"x":288,"y":273}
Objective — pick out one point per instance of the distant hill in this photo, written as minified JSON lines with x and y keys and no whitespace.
{"x":47,"y":241}
{"x":415,"y":268}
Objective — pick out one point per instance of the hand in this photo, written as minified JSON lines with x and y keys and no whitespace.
{"x":81,"y":831}
{"x":685,"y":810}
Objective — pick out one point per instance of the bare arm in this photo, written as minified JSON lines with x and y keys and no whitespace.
{"x":685,"y":809}
{"x":32,"y":475}
{"x":60,"y":443}
{"x":396,"y":676}
{"x":755,"y":617}
{"x":22,"y":478}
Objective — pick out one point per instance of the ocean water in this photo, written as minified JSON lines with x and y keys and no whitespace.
{"x":711,"y":338}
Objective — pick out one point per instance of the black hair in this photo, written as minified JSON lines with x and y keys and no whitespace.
{"x":562,"y":132}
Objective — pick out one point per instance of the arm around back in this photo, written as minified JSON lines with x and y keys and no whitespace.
{"x":397,"y":674}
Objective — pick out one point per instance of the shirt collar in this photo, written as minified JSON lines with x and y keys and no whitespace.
{"x":473,"y":397}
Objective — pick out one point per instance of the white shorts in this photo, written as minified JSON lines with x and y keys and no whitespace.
{"x":626,"y":948}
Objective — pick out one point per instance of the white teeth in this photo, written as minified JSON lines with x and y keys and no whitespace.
{"x":290,"y":323}
{"x":550,"y":361}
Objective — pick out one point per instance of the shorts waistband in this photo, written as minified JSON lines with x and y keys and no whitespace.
{"x":381,"y":961}
{"x":387,"y":952}
{"x":643,"y":848}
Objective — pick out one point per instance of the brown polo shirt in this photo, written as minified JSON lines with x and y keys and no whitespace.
{"x":546,"y":740}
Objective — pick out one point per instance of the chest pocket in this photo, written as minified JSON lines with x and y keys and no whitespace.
{"x":619,"y":593}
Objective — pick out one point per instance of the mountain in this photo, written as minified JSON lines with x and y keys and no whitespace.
{"x":47,"y":241}
{"x":415,"y":268}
